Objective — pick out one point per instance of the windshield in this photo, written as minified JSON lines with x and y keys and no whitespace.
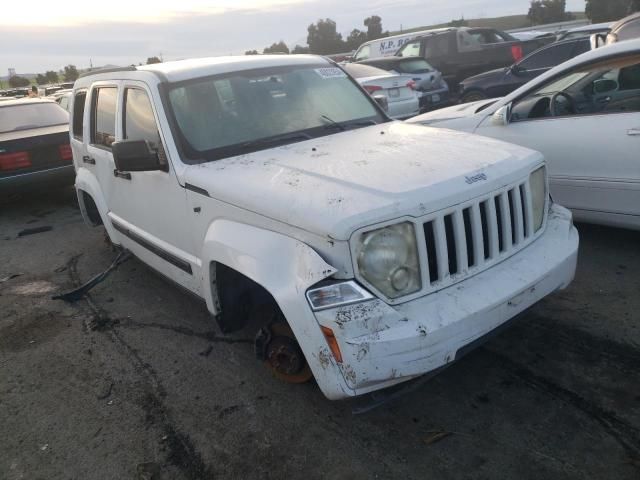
{"x":226,"y":115}
{"x":31,"y":115}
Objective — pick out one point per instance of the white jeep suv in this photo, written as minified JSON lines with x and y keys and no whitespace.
{"x":369,"y":251}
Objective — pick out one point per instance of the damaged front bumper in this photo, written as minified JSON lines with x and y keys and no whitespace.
{"x":383,"y":345}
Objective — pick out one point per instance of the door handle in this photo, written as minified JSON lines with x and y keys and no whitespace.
{"x":634,"y":132}
{"x":604,"y":100}
{"x":88,"y":159}
{"x":119,"y":174}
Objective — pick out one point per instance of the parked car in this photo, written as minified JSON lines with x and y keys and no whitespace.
{"x":63,"y":100}
{"x":431,"y":89}
{"x":399,"y":90}
{"x":584,"y":116}
{"x":34,"y":145}
{"x":502,"y":81}
{"x":585,"y":31}
{"x":460,"y":53}
{"x":45,"y":91}
{"x":626,"y":29}
{"x":364,"y":251}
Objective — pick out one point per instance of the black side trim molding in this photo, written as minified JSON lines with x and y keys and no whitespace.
{"x":199,"y":190}
{"x":163,"y":254}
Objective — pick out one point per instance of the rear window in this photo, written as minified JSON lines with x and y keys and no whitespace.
{"x":415,"y":65}
{"x":34,"y":115}
{"x":362,"y":71}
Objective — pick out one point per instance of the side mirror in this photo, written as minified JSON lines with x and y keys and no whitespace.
{"x":136,"y":156}
{"x":382,"y":101}
{"x":604,"y":86}
{"x":598,"y":40}
{"x":502,"y":116}
{"x":516,"y":69}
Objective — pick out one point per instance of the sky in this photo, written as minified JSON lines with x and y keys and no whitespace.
{"x":42,"y":35}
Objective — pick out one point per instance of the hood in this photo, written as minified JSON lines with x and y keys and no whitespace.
{"x":336,"y":184}
{"x":497,"y":73}
{"x":451,"y":113}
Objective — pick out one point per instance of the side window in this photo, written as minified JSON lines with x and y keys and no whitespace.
{"x":604,"y":88}
{"x":411,"y":49}
{"x":78,"y":114}
{"x":549,"y":57}
{"x":437,"y":46}
{"x":103,"y":118}
{"x":139,"y":123}
{"x":363,"y":53}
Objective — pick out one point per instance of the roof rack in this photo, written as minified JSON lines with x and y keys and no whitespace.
{"x":108,"y":70}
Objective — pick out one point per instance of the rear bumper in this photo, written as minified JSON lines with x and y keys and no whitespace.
{"x":51,"y":177}
{"x":434,"y":99}
{"x":402,"y":109}
{"x":383,"y":345}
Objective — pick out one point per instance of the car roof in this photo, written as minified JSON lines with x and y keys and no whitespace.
{"x":21,"y":101}
{"x":201,"y":67}
{"x":625,"y":21}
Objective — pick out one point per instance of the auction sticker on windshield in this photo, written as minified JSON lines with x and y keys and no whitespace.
{"x":330,"y":72}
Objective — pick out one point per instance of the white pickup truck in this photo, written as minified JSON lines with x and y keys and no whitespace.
{"x":365,"y":251}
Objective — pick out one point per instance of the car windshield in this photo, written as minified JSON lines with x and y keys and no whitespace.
{"x":230,"y":114}
{"x":31,"y":115}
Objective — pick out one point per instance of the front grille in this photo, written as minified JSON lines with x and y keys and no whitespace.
{"x":469,"y":238}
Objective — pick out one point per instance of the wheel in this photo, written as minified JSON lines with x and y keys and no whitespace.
{"x":282,"y":354}
{"x":473,"y":96}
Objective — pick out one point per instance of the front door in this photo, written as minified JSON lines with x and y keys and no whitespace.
{"x":147,"y":209}
{"x":587,"y":125}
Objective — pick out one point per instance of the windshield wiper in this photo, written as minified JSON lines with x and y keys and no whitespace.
{"x":277,"y":139}
{"x":332,"y":123}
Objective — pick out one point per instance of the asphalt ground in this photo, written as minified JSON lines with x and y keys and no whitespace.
{"x":137,"y":382}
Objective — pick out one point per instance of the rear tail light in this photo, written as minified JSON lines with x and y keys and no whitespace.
{"x":411,"y":84}
{"x":516,"y":52}
{"x":14,"y":161}
{"x":65,"y":152}
{"x":372,"y":88}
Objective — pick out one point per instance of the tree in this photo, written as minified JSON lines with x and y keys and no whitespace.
{"x":152,"y":60}
{"x":41,"y":79}
{"x":459,"y":23}
{"x":609,"y":10}
{"x":51,"y":76}
{"x":18,"y":81}
{"x":71,"y":73}
{"x":279,"y":47}
{"x":355,"y":39}
{"x":323,"y":39}
{"x":548,"y":11}
{"x":299,"y":49}
{"x":374,"y":27}
{"x":251,"y":52}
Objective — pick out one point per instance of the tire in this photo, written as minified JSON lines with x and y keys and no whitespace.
{"x":473,"y":96}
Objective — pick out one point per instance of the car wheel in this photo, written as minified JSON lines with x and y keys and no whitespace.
{"x":473,"y":96}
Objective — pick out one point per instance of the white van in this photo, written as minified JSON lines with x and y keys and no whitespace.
{"x":385,"y":47}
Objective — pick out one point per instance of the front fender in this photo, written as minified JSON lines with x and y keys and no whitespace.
{"x":286,"y":268}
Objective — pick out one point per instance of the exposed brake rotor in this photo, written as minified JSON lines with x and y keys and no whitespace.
{"x":283,"y":355}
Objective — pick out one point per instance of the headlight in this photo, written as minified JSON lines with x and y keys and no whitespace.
{"x":388,"y":260}
{"x":538,"y":185}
